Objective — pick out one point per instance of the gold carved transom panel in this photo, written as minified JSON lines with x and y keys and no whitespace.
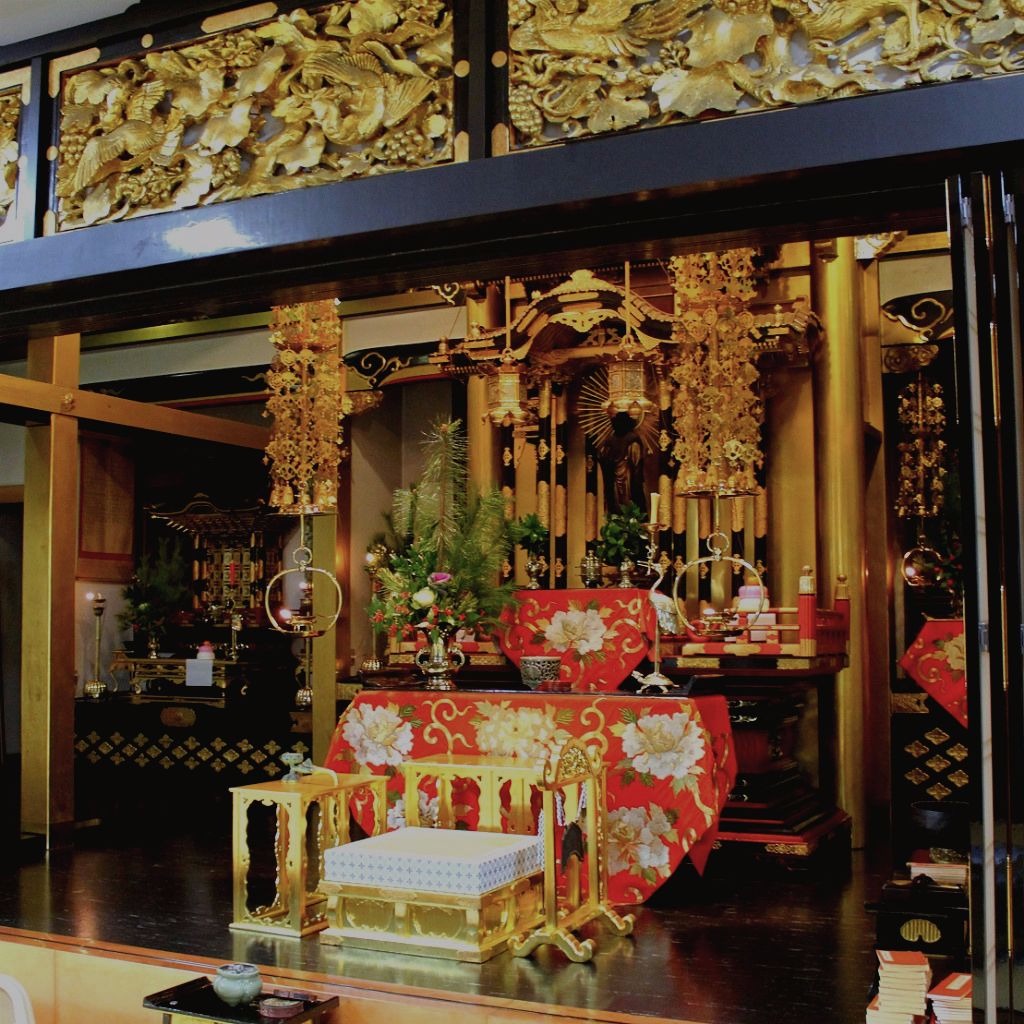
{"x":344,"y":91}
{"x":586,"y":67}
{"x":10,"y":115}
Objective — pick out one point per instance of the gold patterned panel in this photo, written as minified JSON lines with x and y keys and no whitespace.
{"x":343,"y":91}
{"x":191,"y":753}
{"x":587,"y":68}
{"x":10,"y":116}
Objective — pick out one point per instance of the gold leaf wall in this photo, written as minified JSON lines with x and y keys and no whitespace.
{"x":10,"y":114}
{"x":343,"y":91}
{"x":584,"y":68}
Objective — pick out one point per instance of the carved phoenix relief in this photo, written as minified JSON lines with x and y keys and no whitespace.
{"x":10,"y":114}
{"x":344,"y":91}
{"x":584,"y":67}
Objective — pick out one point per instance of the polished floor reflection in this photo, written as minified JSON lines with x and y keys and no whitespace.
{"x":742,"y":945}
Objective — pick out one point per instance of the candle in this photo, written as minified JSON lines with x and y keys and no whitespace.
{"x":655,"y":497}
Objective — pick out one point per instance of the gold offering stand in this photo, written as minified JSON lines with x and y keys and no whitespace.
{"x":298,"y":906}
{"x":575,"y":837}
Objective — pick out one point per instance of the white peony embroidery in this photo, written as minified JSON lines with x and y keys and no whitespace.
{"x":577,"y":630}
{"x":663,"y":746}
{"x":377,"y":735}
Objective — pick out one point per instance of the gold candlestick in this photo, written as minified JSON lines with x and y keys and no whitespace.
{"x":95,"y":687}
{"x":654,"y":681}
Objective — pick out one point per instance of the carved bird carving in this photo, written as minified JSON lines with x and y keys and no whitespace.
{"x":605,"y":28}
{"x":140,"y":140}
{"x":829,"y":21}
{"x":377,"y":98}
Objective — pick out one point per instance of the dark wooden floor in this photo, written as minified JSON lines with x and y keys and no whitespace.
{"x":742,"y":945}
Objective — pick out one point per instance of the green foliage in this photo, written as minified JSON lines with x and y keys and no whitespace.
{"x":158,"y":588}
{"x":446,"y":575}
{"x":530,"y":534}
{"x":623,"y":536}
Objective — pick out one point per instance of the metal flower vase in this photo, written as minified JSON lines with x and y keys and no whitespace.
{"x":440,"y":659}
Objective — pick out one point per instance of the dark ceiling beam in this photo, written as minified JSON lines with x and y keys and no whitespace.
{"x":814,"y":168}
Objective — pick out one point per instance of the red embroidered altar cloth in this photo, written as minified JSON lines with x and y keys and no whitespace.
{"x":600,"y":635}
{"x":670,"y":761}
{"x":936,"y":661}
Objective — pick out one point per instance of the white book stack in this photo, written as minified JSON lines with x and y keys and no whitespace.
{"x":951,"y":999}
{"x":903,"y":980}
{"x":943,"y":874}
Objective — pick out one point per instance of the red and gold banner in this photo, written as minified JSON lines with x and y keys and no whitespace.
{"x":670,"y":762}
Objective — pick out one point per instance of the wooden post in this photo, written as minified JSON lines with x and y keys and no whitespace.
{"x":48,"y":590}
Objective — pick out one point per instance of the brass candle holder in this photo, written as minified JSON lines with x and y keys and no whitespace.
{"x":95,"y":687}
{"x":654,"y":681}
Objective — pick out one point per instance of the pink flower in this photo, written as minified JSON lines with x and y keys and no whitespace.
{"x":437,"y":578}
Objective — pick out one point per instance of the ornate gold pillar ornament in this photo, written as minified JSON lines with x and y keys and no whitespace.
{"x":304,"y":381}
{"x":716,"y":409}
{"x":920,"y":489}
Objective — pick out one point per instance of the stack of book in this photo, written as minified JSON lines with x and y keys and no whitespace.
{"x":944,"y":874}
{"x":903,"y":980}
{"x":951,"y":999}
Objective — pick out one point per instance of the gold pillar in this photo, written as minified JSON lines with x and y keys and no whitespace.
{"x":879,"y":548}
{"x":481,"y":311}
{"x":840,"y":456}
{"x":325,"y":550}
{"x":48,"y":591}
{"x":791,"y":482}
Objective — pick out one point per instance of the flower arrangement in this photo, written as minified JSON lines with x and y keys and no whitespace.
{"x":445,"y":574}
{"x":623,"y":536}
{"x":530,"y":534}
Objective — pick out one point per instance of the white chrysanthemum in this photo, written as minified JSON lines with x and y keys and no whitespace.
{"x":664,"y":746}
{"x":580,"y":631}
{"x":377,"y":735}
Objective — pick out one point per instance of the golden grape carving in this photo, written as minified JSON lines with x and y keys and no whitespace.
{"x":344,"y":91}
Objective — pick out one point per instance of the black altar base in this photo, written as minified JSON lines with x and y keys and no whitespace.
{"x":733,"y":947}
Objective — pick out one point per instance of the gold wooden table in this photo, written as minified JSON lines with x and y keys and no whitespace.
{"x":298,"y":907}
{"x":490,"y":775}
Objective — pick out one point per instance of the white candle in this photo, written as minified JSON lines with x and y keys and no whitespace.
{"x":655,"y":498}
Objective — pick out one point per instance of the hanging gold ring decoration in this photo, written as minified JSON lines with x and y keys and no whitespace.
{"x":305,"y":622}
{"x":722,"y":624}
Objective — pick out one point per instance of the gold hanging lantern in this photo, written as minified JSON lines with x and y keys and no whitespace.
{"x":506,"y":395}
{"x":627,"y":375}
{"x":506,"y":389}
{"x":304,"y":381}
{"x":716,"y":408}
{"x":626,"y":389}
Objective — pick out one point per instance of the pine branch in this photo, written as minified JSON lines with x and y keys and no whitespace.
{"x":442,"y":487}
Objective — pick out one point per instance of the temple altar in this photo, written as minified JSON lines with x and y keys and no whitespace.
{"x":670,"y":762}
